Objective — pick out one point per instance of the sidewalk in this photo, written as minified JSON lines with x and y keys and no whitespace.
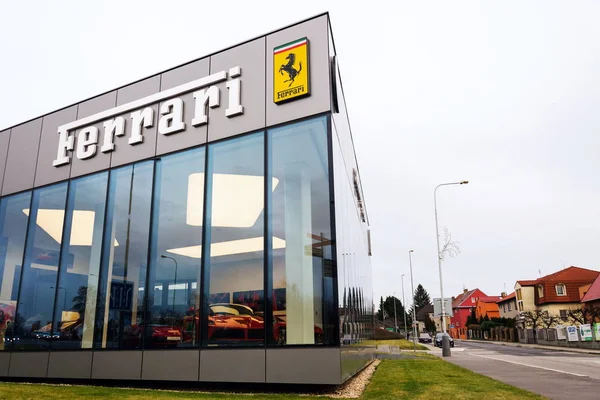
{"x":533,"y":346}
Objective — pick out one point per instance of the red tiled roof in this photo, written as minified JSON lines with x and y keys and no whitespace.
{"x":489,"y":299}
{"x":505,"y":298}
{"x":458,"y":300}
{"x":572,"y":278}
{"x":593,"y":292}
{"x":528,"y":283}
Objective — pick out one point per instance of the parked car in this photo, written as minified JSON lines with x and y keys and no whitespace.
{"x":425,"y":338}
{"x":439,"y":337}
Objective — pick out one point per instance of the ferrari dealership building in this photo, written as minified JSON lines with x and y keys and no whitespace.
{"x":203,"y":224}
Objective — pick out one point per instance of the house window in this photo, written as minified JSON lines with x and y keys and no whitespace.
{"x":540,"y":289}
{"x":561,"y":290}
{"x":563,"y":314}
{"x":509,"y":307}
{"x":472,"y":299}
{"x":504,"y":307}
{"x":519,"y":294}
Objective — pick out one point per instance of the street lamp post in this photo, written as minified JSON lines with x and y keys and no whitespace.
{"x":412,"y":287}
{"x":404,"y":305}
{"x":445,"y":341}
{"x":395,"y":315}
{"x":175,"y":282}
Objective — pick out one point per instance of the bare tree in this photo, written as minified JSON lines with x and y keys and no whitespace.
{"x":451,"y":248}
{"x":584,"y":315}
{"x":533,"y":318}
{"x":550,"y":320}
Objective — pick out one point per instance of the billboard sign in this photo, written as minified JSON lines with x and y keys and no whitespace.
{"x":586,"y":332}
{"x":597,"y":331}
{"x":572,"y":334}
{"x":437,"y":307}
{"x":561,"y":332}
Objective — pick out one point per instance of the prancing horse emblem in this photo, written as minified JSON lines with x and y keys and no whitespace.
{"x":289,"y":68}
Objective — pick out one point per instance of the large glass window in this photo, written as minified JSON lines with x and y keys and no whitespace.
{"x":303,"y":304}
{"x":76,"y":297}
{"x":234,"y":268}
{"x":125,"y":255}
{"x":13,"y":226}
{"x":33,"y":324}
{"x":173,"y":288}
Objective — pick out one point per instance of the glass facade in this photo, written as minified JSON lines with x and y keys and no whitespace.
{"x":12,"y":244}
{"x":302,"y":257}
{"x":125,"y":256}
{"x":38,"y":291}
{"x":223,"y":245}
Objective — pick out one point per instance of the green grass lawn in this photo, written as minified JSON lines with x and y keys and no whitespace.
{"x":402,"y":343}
{"x":427,"y":377}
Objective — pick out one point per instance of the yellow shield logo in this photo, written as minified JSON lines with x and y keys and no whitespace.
{"x":290,"y":71}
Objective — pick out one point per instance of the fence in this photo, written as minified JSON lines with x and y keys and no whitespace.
{"x":581,"y":337}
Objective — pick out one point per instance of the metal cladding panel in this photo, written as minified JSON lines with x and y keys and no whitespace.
{"x":233,"y":365}
{"x":159,"y":365}
{"x":120,"y":364}
{"x":125,"y":153}
{"x":307,"y":366}
{"x":22,"y":157}
{"x":45,"y":172}
{"x":101,"y":160}
{"x":71,"y":364}
{"x":191,"y":136}
{"x":250,"y":57}
{"x":319,"y":100}
{"x":4,"y":363}
{"x":28,"y":365}
{"x":4,"y":139}
{"x":355,"y":358}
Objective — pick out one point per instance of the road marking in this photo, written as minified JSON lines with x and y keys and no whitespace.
{"x":532,"y":366}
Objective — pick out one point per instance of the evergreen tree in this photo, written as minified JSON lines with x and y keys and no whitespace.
{"x":472,"y":319}
{"x":387,"y":306}
{"x":421,"y":298}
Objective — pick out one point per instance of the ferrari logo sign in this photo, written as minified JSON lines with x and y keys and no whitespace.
{"x":291,"y":71}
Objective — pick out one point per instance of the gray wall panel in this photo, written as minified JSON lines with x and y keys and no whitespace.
{"x":297,"y":365}
{"x":251,"y":58}
{"x":117,"y":365}
{"x":319,"y":99}
{"x":355,"y":358}
{"x":232,"y":365}
{"x":45,"y":172}
{"x":158,"y":365}
{"x":28,"y":365}
{"x":4,"y":139}
{"x":4,"y":362}
{"x":71,"y":364}
{"x":101,"y":160}
{"x":22,"y":157}
{"x":191,"y":136}
{"x":124,"y":153}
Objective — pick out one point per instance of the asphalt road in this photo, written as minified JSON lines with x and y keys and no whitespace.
{"x":553,"y":374}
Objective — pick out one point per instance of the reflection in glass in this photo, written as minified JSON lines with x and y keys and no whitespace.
{"x":303,"y":304}
{"x":75,"y":307}
{"x":234,"y":268}
{"x":125,"y":255}
{"x":13,"y":225}
{"x":173,"y":290}
{"x":33,"y":325}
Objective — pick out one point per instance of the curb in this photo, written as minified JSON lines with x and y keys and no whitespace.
{"x":534,"y":346}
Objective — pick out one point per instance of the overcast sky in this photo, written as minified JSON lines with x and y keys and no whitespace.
{"x":506,"y":95}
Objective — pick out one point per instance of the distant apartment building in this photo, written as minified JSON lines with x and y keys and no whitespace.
{"x":507,"y":305}
{"x":462,"y":305}
{"x":486,"y":306}
{"x":556,"y":293}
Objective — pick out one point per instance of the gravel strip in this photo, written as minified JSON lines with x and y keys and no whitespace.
{"x":356,"y":385}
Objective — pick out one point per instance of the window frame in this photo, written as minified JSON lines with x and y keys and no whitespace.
{"x":563,"y":288}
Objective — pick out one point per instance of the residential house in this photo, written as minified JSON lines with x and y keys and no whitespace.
{"x":556,"y":293}
{"x":461,"y":308}
{"x":507,"y":305}
{"x":486,"y":306}
{"x":591,"y":296}
{"x":422,"y":315}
